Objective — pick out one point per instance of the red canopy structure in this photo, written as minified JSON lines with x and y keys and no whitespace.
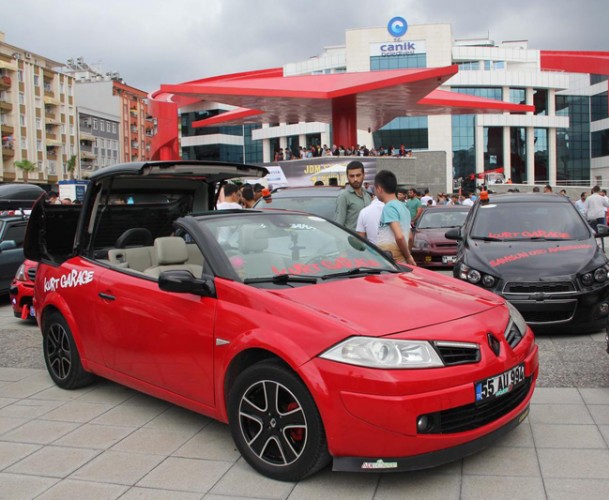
{"x":350,"y":101}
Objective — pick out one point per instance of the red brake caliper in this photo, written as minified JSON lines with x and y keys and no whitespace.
{"x":295,"y":434}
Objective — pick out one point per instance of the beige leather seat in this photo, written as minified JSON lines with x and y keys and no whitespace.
{"x":172,"y":255}
{"x":257,"y":260}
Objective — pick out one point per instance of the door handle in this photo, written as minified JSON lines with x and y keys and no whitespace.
{"x":106,"y":296}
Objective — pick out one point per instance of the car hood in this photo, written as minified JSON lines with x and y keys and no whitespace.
{"x":526,"y":259}
{"x":434,"y":235}
{"x":385,"y":304}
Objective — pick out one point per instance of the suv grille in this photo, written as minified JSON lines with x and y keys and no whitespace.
{"x":31,"y":273}
{"x":458,"y":353}
{"x":539,"y":287}
{"x":472,"y":416}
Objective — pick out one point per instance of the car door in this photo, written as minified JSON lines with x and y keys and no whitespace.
{"x":161,"y":338}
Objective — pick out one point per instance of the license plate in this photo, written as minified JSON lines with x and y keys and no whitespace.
{"x":449,"y":259}
{"x":428,"y":258}
{"x":500,"y":384}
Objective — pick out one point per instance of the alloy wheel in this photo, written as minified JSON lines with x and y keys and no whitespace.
{"x":59,"y":352}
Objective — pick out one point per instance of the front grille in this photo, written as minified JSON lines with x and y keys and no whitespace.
{"x":548,"y":316}
{"x":472,"y":416}
{"x":31,"y":273}
{"x":539,"y":287}
{"x":446,"y":245}
{"x":513,"y":335}
{"x":457,"y":353}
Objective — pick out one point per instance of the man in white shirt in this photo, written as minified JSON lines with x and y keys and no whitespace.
{"x":580,"y":204}
{"x":426,"y":198}
{"x":595,"y":208}
{"x":368,"y":220}
{"x":232,"y":196}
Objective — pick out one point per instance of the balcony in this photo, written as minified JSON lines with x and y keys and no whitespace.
{"x":6,"y":129}
{"x":7,"y":149}
{"x":51,"y":136}
{"x":5,"y":105}
{"x":86,"y":136}
{"x":50,"y":100}
{"x":86,"y":155}
{"x":87,"y":148}
{"x":5,"y":82}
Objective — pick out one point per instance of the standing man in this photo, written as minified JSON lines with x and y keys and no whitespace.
{"x":369,"y":219}
{"x":414,"y":205}
{"x":232,"y":198}
{"x":581,"y":203}
{"x":353,"y":198}
{"x":394,"y":226}
{"x":595,"y":207}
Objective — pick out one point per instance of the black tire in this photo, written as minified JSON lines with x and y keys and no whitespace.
{"x":284,"y":440}
{"x":61,"y":355}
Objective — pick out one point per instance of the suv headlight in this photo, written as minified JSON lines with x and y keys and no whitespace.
{"x":599,"y":275}
{"x":476,"y":277}
{"x":384,"y":353}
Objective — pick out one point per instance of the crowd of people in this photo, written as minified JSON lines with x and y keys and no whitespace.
{"x":314,"y":151}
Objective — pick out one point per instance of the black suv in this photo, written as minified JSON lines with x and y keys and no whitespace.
{"x":12,"y":233}
{"x":538,"y":252}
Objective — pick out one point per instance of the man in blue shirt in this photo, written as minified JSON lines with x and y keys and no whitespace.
{"x":394,"y":226}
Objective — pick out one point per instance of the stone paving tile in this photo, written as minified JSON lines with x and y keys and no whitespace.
{"x":15,"y":374}
{"x":417,"y":485}
{"x":595,"y":396}
{"x":520,"y":437}
{"x":29,"y":408}
{"x":155,"y":441}
{"x":566,"y":463}
{"x":137,"y":493}
{"x":600,"y":414}
{"x":336,"y":485}
{"x":242,"y":480}
{"x":107,"y":392}
{"x":78,"y":411}
{"x":560,"y":414}
{"x":26,"y":387}
{"x":576,"y":489}
{"x":186,"y":474}
{"x":55,"y":393}
{"x":567,"y":436}
{"x":210,"y":496}
{"x":502,"y":461}
{"x":9,"y":423}
{"x":20,"y":487}
{"x":13,"y":452}
{"x":502,"y":488}
{"x":68,"y":488}
{"x":176,"y":417}
{"x":39,"y":431}
{"x":605,"y":432}
{"x":118,"y":468}
{"x":95,"y":436}
{"x":214,"y":442}
{"x":556,"y":395}
{"x":7,"y":401}
{"x":53,"y":461}
{"x":130,"y":415}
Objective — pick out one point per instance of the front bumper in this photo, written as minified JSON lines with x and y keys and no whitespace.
{"x":426,"y":460}
{"x":585,"y":310}
{"x":435,"y":257}
{"x":373,"y":413}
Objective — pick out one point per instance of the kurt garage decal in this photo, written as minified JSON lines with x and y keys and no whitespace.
{"x":532,"y":253}
{"x":72,"y":279}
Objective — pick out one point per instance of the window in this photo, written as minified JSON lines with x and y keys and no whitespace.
{"x":379,"y":63}
{"x":20,"y":75}
{"x":39,"y":145}
{"x":94,"y":123}
{"x":36,"y":80}
{"x":23,"y":143}
{"x":600,"y":143}
{"x":21,"y":98}
{"x":22,"y":120}
{"x":540,"y":101}
{"x":102,"y":125}
{"x":15,"y":233}
{"x":113,"y":128}
{"x":38,"y":124}
{"x":599,"y":106}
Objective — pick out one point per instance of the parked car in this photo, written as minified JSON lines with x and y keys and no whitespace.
{"x":320,"y":200}
{"x":431,"y":248}
{"x":537,"y":251}
{"x":12,"y":233}
{"x":16,"y":196}
{"x":22,"y":291}
{"x":309,"y":342}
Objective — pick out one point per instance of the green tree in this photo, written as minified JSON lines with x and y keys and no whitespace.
{"x":71,"y":166}
{"x":26,"y":167}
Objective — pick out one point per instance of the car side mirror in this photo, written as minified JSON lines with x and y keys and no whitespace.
{"x":602,"y":230}
{"x":453,"y":234}
{"x":181,"y":281}
{"x":8,"y":245}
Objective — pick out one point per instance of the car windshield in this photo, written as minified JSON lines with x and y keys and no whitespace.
{"x":529,"y":221}
{"x":325,"y":206}
{"x":264,"y":245}
{"x":432,"y":219}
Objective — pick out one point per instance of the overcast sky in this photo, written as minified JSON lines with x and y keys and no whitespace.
{"x":150,"y":42}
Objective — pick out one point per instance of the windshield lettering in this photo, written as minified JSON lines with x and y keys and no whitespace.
{"x":507,"y":235}
{"x":312,"y":268}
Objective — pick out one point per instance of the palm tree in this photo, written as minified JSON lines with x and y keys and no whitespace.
{"x":26,"y":167}
{"x":71,"y":166}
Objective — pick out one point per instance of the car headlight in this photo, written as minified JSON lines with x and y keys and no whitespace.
{"x":384,"y":353}
{"x":20,"y":274}
{"x":475,"y":277}
{"x":517,"y":318}
{"x":421,"y":244}
{"x":600,"y":275}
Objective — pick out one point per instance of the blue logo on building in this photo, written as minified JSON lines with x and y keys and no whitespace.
{"x":397,"y":26}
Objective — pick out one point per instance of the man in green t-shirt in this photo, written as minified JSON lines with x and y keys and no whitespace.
{"x":415,"y":207}
{"x":353,"y":198}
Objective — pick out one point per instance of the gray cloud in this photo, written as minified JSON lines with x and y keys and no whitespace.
{"x":152,"y":41}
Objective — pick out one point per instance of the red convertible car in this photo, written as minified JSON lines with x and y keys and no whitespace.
{"x":22,"y":291}
{"x":313,"y":345}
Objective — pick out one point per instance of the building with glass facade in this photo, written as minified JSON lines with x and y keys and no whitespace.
{"x":562,"y":140}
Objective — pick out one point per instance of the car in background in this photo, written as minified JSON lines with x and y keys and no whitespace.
{"x":320,"y":200}
{"x":22,"y":291}
{"x":12,"y":233}
{"x":262,"y":319}
{"x":431,"y":248}
{"x":537,"y":251}
{"x":18,"y":197}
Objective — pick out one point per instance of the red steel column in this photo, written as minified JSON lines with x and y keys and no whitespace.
{"x":344,"y":121}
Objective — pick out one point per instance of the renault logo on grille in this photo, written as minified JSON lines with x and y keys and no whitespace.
{"x":494,"y":344}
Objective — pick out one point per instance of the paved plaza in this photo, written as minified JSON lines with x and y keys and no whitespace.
{"x":106,"y":441}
